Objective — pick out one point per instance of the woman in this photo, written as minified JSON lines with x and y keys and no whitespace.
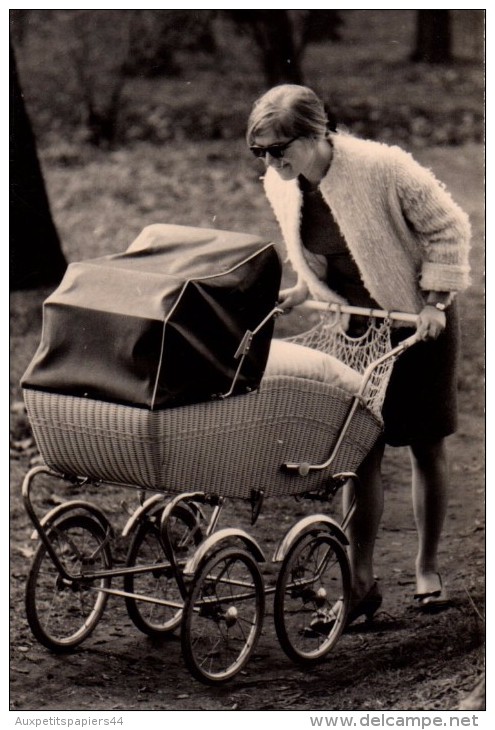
{"x":364,"y":224}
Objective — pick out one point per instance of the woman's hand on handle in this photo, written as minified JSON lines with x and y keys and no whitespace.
{"x":431,"y":323}
{"x":293,"y":296}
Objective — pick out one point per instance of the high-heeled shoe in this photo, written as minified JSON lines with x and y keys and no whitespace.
{"x":366,"y":606}
{"x":433,"y":601}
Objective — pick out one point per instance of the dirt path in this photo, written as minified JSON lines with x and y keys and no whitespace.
{"x":405,"y":661}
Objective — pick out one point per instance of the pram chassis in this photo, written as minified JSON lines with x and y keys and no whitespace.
{"x":208,"y":561}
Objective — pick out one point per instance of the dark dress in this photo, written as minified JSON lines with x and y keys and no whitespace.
{"x":421,"y":399}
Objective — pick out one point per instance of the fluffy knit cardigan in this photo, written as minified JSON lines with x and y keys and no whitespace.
{"x":404,"y":231}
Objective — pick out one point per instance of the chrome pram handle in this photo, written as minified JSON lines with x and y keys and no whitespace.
{"x":360,"y":311}
{"x":304,"y":468}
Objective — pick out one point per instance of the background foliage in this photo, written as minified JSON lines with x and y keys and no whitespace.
{"x":123,"y":76}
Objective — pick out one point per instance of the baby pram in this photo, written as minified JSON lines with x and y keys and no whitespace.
{"x":169,"y":382}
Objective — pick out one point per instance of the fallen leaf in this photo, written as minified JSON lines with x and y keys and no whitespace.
{"x":26,"y":552}
{"x":23,"y":444}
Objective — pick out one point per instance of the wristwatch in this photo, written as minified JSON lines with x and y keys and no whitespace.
{"x":438,"y":305}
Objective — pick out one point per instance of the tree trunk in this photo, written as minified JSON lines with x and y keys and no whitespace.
{"x":36,"y":258}
{"x":274,"y":35}
{"x":276,"y":40}
{"x":433,"y":37}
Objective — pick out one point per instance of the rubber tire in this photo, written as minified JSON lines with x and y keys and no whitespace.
{"x":198,"y":670}
{"x":137,"y":609}
{"x":33,"y":600}
{"x":310,"y":542}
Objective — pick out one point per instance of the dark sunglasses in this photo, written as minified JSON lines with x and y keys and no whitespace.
{"x":274,"y":150}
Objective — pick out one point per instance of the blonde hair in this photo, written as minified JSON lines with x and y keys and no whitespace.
{"x":288,"y":111}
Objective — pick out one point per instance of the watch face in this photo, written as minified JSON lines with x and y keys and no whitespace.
{"x":440,"y":306}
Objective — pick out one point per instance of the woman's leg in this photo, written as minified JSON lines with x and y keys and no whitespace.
{"x":429,"y":494}
{"x":363,"y":526}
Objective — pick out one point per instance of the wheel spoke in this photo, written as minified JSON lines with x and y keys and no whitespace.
{"x":223,"y":615}
{"x":63,"y":613}
{"x":147,"y":549}
{"x":311,"y":597}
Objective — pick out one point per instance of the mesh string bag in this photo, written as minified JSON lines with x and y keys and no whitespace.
{"x":359,"y":352}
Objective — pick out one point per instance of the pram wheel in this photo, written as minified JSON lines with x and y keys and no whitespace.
{"x":147,"y":548}
{"x":312,"y":597}
{"x":62,"y":613}
{"x":223,"y":615}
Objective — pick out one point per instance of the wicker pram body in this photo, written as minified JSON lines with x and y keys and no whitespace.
{"x":158,"y":370}
{"x":124,"y":337}
{"x":227,"y":447}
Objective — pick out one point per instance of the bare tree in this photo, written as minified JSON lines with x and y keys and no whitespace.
{"x":158,"y":35}
{"x":100,"y":76}
{"x":36,"y":257}
{"x":105,"y":47}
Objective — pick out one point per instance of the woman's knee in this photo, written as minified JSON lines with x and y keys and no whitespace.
{"x":429,"y":451}
{"x":373,"y":461}
{"x":430,"y":464}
